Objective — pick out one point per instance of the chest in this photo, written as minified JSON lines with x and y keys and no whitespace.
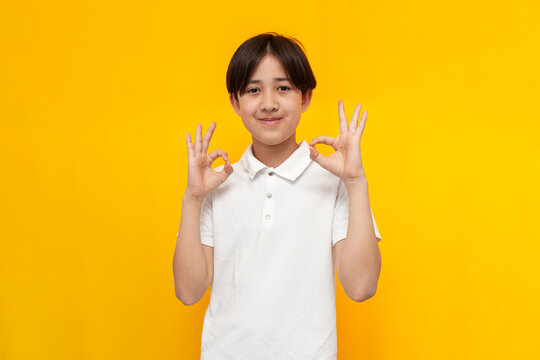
{"x":273,"y":216}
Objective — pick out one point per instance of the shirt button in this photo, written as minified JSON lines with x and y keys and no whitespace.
{"x":267,"y":217}
{"x":271,"y":173}
{"x":269,"y":195}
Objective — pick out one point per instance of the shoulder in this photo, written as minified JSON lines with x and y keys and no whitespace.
{"x":233,"y":182}
{"x":315,"y":173}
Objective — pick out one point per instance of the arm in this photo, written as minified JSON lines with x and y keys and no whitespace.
{"x":193,"y":265}
{"x":358,"y":258}
{"x":193,"y":262}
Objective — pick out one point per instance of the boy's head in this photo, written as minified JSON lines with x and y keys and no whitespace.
{"x":269,"y":76}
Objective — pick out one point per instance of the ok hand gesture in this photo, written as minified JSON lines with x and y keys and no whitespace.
{"x":202,"y":179}
{"x":346,"y":161}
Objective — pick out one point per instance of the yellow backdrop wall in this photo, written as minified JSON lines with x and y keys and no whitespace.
{"x":96,"y":98}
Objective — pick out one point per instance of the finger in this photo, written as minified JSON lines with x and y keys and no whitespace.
{"x":215,"y":154}
{"x":342,"y":117}
{"x":316,"y":156}
{"x":327,"y":140}
{"x":354,"y":120}
{"x":362,"y":125}
{"x":227,"y":169}
{"x":189,"y":145}
{"x":208,"y":137}
{"x":198,"y":139}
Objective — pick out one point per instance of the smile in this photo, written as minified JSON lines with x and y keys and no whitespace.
{"x":270,"y":122}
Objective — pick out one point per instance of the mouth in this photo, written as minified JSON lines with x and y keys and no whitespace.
{"x":270,"y":121}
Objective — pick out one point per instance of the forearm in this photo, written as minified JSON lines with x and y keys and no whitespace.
{"x":360,"y":259}
{"x":189,"y":263}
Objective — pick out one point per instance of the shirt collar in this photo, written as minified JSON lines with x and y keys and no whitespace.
{"x":290,"y":169}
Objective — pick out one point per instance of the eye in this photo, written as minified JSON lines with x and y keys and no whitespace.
{"x":252,"y":92}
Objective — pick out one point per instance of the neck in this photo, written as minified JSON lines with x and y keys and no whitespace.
{"x":274,"y":155}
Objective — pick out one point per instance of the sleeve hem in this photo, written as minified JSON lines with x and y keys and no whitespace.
{"x":338,"y":237}
{"x":207,"y":240}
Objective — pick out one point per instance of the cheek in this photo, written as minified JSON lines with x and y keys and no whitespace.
{"x":294,"y":104}
{"x":249,"y":108}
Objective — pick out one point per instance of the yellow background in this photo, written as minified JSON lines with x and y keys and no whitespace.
{"x":96,"y":98}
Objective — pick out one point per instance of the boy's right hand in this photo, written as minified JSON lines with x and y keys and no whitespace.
{"x":202,"y":179}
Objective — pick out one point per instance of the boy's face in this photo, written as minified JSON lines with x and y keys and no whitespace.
{"x":268,"y":97}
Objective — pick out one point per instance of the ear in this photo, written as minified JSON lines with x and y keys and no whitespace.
{"x":306,"y":99}
{"x":235,"y":104}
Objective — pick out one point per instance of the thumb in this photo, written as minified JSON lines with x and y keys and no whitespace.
{"x":315,"y":155}
{"x":228,"y":168}
{"x":226,"y":171}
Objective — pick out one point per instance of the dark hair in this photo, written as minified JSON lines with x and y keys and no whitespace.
{"x":288,"y":51}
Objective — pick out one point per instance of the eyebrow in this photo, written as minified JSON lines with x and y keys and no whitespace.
{"x":275,"y":79}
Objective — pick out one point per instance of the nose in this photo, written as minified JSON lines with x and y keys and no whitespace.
{"x":268,"y":102}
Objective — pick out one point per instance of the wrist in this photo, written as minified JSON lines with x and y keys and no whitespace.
{"x":358,"y":182}
{"x":192,"y":197}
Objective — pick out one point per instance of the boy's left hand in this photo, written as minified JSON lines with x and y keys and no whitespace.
{"x":346,"y":161}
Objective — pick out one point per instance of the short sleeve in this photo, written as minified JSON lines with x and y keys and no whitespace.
{"x":341,"y":216}
{"x":207,"y":221}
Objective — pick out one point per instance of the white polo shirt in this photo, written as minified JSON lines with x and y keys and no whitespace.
{"x":272,"y":229}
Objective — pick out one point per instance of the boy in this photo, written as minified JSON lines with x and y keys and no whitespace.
{"x":267,"y":231}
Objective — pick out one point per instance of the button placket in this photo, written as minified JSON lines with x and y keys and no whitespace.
{"x":268,"y":213}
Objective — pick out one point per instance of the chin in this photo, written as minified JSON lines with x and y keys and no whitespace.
{"x":268,"y":139}
{"x":272,"y":139}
